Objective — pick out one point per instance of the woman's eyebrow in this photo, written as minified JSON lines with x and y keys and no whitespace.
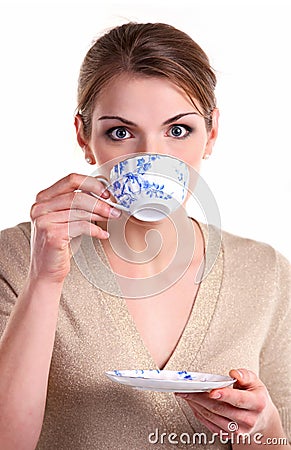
{"x":177,"y":117}
{"x":121,"y":119}
{"x":129,"y":122}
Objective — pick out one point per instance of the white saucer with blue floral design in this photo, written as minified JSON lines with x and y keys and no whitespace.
{"x":169,"y":380}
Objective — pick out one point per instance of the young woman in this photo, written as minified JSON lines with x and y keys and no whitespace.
{"x":143,"y":88}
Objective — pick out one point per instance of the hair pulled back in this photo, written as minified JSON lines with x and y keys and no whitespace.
{"x":148,"y":49}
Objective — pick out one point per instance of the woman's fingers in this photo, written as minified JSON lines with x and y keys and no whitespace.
{"x":63,"y":212}
{"x":84,"y":227}
{"x":250,"y":400}
{"x":71,"y":183}
{"x":72,"y":193}
{"x":65,"y":225}
{"x":74,"y":201}
{"x":71,"y":215}
{"x":243,"y":405}
{"x":214,"y":422}
{"x":210,"y":425}
{"x":246,"y":379}
{"x":221,"y":413}
{"x":249,"y":392}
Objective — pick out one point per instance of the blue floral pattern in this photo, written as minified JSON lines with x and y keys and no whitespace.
{"x":152,"y":373}
{"x":128,"y":186}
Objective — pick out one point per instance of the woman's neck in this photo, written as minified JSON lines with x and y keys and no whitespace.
{"x":147,"y":248}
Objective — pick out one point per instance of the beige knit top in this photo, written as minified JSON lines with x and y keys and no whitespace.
{"x":240,"y":318}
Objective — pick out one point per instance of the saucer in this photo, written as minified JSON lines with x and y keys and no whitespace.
{"x":169,"y":380}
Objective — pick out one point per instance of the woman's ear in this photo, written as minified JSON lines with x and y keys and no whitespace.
{"x":78,"y":122}
{"x":213,"y":132}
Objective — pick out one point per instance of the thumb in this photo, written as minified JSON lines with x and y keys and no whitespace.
{"x":245,"y":379}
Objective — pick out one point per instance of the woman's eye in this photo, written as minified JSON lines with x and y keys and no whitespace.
{"x":179,"y":131}
{"x":118,"y":133}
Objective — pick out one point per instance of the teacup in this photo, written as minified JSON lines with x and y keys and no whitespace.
{"x":149,"y":186}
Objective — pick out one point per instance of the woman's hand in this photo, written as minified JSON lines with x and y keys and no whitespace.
{"x":61,"y":214}
{"x":245,"y":408}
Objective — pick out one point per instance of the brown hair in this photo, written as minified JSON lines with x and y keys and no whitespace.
{"x":150,"y":49}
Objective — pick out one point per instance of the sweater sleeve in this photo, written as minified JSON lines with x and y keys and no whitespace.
{"x":14,"y":264}
{"x":275,"y":360}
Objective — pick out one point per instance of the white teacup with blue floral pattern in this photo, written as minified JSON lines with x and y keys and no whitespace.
{"x":149,"y":187}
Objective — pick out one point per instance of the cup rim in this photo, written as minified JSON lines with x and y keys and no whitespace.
{"x":141,"y":154}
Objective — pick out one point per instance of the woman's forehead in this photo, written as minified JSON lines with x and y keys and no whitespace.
{"x":140,"y":95}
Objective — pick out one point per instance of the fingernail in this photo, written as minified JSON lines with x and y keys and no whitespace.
{"x":240,"y":373}
{"x":216,"y":395}
{"x":179,"y":394}
{"x":115,"y":212}
{"x":105,"y":194}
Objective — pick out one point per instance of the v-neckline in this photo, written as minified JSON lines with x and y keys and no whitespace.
{"x":200,"y":317}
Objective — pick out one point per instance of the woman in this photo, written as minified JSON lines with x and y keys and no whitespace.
{"x":142,"y":88}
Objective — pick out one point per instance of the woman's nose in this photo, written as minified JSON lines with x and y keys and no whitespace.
{"x":151,"y":145}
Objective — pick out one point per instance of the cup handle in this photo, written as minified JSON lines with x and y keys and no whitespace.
{"x":108,"y":201}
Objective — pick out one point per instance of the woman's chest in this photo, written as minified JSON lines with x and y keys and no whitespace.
{"x":161,"y":319}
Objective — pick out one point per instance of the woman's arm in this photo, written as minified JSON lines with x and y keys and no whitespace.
{"x":59,"y":215}
{"x":25,"y":355}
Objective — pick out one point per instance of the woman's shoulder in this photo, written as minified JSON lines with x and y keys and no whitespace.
{"x":14,"y":264}
{"x":14,"y":235}
{"x":235,"y":242}
{"x":253,"y":253}
{"x":15,"y":246}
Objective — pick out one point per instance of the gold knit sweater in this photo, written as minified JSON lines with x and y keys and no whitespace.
{"x":241,"y":318}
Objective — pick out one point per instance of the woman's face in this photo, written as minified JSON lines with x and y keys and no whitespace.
{"x":151,"y":115}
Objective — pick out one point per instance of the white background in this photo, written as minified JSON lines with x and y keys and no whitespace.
{"x":42,"y":45}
